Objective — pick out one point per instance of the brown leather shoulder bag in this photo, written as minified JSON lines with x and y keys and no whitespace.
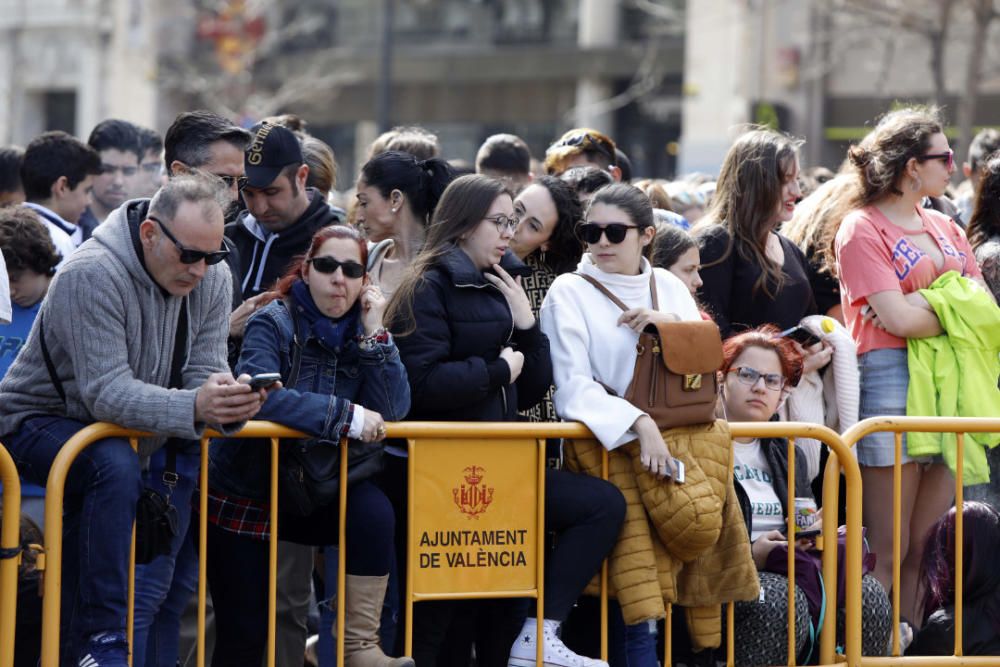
{"x":674,"y":380}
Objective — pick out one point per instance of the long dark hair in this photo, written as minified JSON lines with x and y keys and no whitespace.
{"x":463,"y":206}
{"x":746,"y":197}
{"x":565,"y":248}
{"x":985,"y":220}
{"x":421,"y":181}
{"x":980,"y":546}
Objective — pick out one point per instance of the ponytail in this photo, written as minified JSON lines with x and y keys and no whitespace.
{"x":421,"y":181}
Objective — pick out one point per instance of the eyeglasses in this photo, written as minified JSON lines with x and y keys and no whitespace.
{"x":588,"y":142}
{"x":330,"y":265}
{"x":190,"y":255}
{"x":127,"y":172}
{"x":504,"y":222}
{"x":151,"y":167}
{"x":239,"y":182}
{"x":591,"y":232}
{"x":749,"y":376}
{"x":947,"y":156}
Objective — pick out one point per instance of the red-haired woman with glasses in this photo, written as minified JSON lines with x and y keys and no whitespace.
{"x":888,"y":248}
{"x":759,"y":369}
{"x":323,"y":334}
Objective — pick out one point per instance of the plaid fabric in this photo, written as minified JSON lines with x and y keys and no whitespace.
{"x":239,"y":515}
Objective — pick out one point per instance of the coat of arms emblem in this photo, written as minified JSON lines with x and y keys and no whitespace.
{"x":473,"y":497}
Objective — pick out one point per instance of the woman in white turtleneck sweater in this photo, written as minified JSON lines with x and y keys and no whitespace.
{"x":593,"y":343}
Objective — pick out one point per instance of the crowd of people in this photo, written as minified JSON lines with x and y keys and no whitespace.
{"x":216,"y":275}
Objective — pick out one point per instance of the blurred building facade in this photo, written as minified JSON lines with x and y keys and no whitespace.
{"x":824,"y":70}
{"x":67,"y":64}
{"x":463,"y":68}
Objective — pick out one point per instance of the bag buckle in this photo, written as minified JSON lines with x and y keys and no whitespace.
{"x":170,"y":479}
{"x":692,"y":382}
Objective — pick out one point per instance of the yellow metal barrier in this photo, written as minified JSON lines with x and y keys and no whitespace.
{"x":415,"y":431}
{"x":900,"y":425}
{"x":10,"y":541}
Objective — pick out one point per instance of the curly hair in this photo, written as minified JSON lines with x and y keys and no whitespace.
{"x":565,"y":248}
{"x":985,"y":220}
{"x":26,"y":242}
{"x":880,"y":159}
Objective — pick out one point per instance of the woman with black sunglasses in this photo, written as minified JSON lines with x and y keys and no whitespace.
{"x":888,"y":249}
{"x":323,"y":333}
{"x":594,"y":343}
{"x":474,"y":351}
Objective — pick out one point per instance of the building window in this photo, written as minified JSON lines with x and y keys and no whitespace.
{"x":59,"y":109}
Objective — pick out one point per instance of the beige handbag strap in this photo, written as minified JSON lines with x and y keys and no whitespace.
{"x":608,"y":293}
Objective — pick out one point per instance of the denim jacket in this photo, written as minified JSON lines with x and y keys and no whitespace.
{"x":319,"y":404}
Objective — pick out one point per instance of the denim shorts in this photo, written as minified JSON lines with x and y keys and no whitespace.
{"x":885,"y":377}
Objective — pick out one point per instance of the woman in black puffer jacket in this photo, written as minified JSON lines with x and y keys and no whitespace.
{"x":473,"y":351}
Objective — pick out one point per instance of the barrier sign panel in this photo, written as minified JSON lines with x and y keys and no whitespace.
{"x":475,"y":515}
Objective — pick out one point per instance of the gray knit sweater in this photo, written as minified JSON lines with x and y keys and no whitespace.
{"x":110,"y":331}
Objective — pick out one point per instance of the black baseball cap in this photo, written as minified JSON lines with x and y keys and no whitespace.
{"x":272,"y":148}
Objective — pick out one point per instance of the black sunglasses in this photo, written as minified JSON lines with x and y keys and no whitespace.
{"x":330,"y":265}
{"x":189,"y":255}
{"x":948,"y":157}
{"x":239,"y":181}
{"x":591,"y":232}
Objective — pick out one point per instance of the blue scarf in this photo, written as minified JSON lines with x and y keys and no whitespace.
{"x":331,"y":332}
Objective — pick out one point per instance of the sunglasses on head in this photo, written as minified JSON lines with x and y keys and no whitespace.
{"x":591,"y":232}
{"x":588,"y":142}
{"x":330,"y":265}
{"x":190,"y":255}
{"x":947,"y":156}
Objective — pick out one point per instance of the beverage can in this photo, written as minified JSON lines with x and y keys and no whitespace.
{"x":805,"y":512}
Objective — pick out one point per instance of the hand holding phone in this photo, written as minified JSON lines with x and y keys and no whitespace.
{"x":264,"y":380}
{"x":801,"y":335}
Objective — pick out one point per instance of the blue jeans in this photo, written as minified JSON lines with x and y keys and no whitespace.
{"x":164,"y":586}
{"x":102,"y":489}
{"x":640,"y":644}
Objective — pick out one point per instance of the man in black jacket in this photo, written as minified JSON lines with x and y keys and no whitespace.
{"x":282,"y":214}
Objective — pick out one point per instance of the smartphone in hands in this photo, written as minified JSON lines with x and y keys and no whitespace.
{"x":801,"y":335}
{"x":264,"y":380}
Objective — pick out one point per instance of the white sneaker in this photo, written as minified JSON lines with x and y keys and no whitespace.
{"x":554,"y":652}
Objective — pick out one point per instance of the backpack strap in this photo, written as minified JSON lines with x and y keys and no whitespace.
{"x":48,"y":360}
{"x":618,"y":302}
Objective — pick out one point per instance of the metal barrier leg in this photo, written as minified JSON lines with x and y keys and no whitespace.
{"x":10,"y":540}
{"x":272,"y":563}
{"x":540,"y":559}
{"x":959,"y":541}
{"x":410,"y":551}
{"x":790,"y":535}
{"x":604,"y":575}
{"x":202,"y":550}
{"x":342,"y":553}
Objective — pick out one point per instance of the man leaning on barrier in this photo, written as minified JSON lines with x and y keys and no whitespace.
{"x":147,"y":294}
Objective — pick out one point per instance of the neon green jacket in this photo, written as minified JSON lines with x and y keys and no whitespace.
{"x":955,"y":374}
